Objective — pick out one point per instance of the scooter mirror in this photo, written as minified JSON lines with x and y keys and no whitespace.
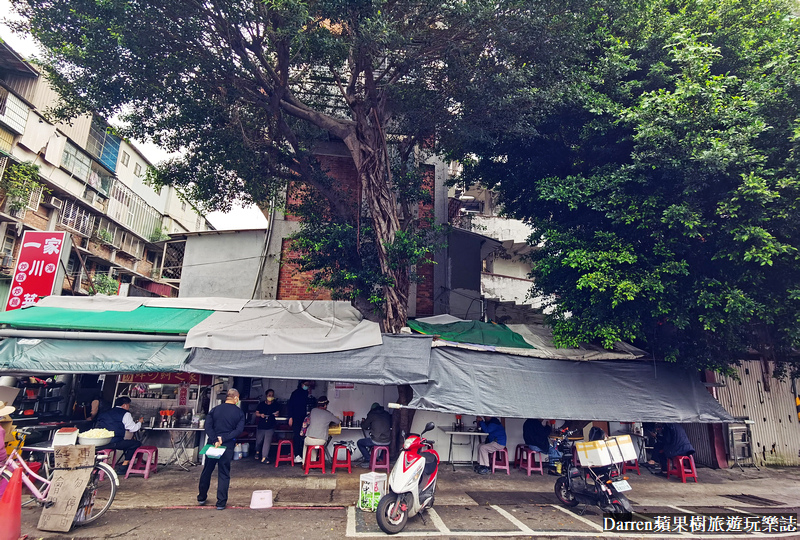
{"x":429,"y":426}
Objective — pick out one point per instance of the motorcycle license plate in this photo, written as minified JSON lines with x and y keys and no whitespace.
{"x":622,"y":485}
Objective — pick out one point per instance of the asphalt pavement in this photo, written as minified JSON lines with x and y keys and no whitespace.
{"x":467,"y":505}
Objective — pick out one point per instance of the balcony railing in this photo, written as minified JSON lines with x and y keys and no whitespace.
{"x":131,"y":210}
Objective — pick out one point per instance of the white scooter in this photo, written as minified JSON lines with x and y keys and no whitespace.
{"x":412,"y":483}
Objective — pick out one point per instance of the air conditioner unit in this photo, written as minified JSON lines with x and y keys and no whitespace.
{"x":53,"y":202}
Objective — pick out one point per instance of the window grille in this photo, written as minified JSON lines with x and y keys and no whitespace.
{"x":35,"y":198}
{"x":77,"y":218}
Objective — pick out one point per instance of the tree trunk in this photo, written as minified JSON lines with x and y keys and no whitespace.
{"x":402,"y":418}
{"x":368,"y":149}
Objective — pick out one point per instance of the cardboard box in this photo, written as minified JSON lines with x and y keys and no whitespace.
{"x":8,"y":425}
{"x":593,"y":453}
{"x":622,"y":449}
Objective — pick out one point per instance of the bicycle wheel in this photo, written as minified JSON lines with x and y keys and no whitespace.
{"x":27,"y":496}
{"x":98,"y":495}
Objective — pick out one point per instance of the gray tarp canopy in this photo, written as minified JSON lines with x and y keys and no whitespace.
{"x":492,"y":384}
{"x":30,"y":355}
{"x":401,"y":359}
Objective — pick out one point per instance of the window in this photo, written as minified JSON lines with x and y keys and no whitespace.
{"x":76,"y":161}
{"x":6,"y":140}
{"x":103,"y":145}
{"x":8,"y":243}
{"x":183,"y":207}
{"x":137,"y":170}
{"x":126,"y":157}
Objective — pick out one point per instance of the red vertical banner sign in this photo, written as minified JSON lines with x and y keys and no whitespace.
{"x":36,"y":268}
{"x":183,"y":394}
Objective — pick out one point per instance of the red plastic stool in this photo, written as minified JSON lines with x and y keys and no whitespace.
{"x":519,"y":454}
{"x":632,"y":465}
{"x":318,"y":463}
{"x":528,"y":462}
{"x":381,"y":452}
{"x":502,"y":463}
{"x":682,"y":467}
{"x":279,"y":457}
{"x":341,"y":463}
{"x":144,"y":461}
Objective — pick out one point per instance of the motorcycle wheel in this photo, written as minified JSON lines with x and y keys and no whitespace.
{"x":386,"y":508}
{"x":564,"y":494}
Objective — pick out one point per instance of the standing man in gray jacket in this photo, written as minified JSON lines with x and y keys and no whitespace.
{"x":379,"y":424}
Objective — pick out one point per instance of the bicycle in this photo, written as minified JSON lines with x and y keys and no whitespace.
{"x":96,"y":498}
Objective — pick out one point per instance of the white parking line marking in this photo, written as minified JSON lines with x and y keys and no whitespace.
{"x":521,"y":526}
{"x":351,"y":521}
{"x":437,"y":521}
{"x":579,"y":518}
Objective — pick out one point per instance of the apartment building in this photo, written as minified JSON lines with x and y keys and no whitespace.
{"x":91,"y":185}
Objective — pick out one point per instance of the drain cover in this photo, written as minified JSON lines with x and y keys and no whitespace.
{"x":754,"y":500}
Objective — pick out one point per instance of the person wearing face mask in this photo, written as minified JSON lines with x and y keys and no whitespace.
{"x":224,"y":423}
{"x":265,"y":412}
{"x":298,"y":409}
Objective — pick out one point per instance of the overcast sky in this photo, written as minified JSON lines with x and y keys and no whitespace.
{"x":238,"y":218}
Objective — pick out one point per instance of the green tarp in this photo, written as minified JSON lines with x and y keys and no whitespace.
{"x":497,"y":335}
{"x":26,"y":355}
{"x":148,"y":320}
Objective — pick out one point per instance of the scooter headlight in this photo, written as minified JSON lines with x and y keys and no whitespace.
{"x":409,"y":441}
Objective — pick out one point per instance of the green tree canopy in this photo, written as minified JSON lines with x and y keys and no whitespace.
{"x":663,"y":187}
{"x":247,"y":89}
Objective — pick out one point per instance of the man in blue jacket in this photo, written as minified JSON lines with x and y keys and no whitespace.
{"x":119,"y":420}
{"x":224,"y":423}
{"x":495,"y":440}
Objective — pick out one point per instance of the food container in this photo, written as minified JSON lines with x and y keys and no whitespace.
{"x":97,"y":441}
{"x":261,"y":499}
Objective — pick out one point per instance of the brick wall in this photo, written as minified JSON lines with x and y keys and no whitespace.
{"x":36,"y":219}
{"x":293,"y":284}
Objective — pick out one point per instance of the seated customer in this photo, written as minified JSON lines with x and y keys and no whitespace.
{"x":536,"y":436}
{"x":120,"y":421}
{"x":319,"y":420}
{"x":379,"y":424}
{"x":672,"y":441}
{"x":496,"y":440}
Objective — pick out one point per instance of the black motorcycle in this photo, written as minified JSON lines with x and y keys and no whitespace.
{"x":596,"y":486}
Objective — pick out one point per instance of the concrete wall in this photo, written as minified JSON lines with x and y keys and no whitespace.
{"x":501,"y":228}
{"x":224,"y":264}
